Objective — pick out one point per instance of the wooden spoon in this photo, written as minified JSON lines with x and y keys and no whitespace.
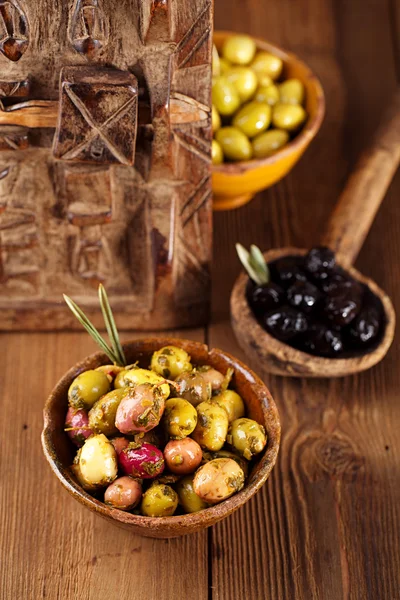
{"x":345,"y":235}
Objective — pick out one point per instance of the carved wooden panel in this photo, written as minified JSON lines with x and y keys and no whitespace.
{"x":123,"y":195}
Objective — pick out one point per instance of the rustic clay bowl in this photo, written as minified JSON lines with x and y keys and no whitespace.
{"x":260,"y":406}
{"x":235,"y":184}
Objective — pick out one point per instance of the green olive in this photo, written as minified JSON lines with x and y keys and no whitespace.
{"x":215,"y":119}
{"x":102,"y":414}
{"x":170,"y":362}
{"x":188,"y":498}
{"x":243,"y":464}
{"x":288,"y":116}
{"x":232,"y":403}
{"x":268,"y":64}
{"x":216,"y":69}
{"x":179,"y":419}
{"x":120,"y":381}
{"x":87,"y":388}
{"x":253,"y":118}
{"x":269,"y":142}
{"x":239,"y":49}
{"x":244,"y":80}
{"x":292,"y":91}
{"x":159,"y":501}
{"x":267,"y":94}
{"x":218,"y":479}
{"x":235,"y":145}
{"x":136,"y":377}
{"x":264,"y":80}
{"x":212,"y":426}
{"x":216,"y":153}
{"x":247,"y":437}
{"x":224,"y":65}
{"x":193,"y":387}
{"x":225,"y":96}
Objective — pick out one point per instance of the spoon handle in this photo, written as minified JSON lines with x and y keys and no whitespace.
{"x":365,"y":189}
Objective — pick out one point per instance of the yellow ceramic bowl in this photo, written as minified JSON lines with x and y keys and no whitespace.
{"x":235,"y":184}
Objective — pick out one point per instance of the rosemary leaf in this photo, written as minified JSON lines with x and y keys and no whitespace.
{"x":90,"y":328}
{"x":245,"y":259}
{"x":111,"y":326}
{"x":258,"y":261}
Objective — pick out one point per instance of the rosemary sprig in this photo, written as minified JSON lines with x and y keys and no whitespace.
{"x":254,"y":263}
{"x":115,"y":357}
{"x":110,"y":325}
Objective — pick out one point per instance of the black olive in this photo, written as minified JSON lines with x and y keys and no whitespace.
{"x":319,"y":262}
{"x":285,"y":271}
{"x":285,"y":322}
{"x":263,"y":298}
{"x":342,"y":307}
{"x":303,"y":295}
{"x":322,"y":341}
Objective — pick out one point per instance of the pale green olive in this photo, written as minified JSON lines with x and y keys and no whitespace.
{"x":264,"y":80}
{"x":159,"y":501}
{"x":253,"y":118}
{"x":269,"y":142}
{"x":87,"y":388}
{"x":291,"y":91}
{"x":216,"y":69}
{"x":244,"y":80}
{"x":179,"y":419}
{"x":243,"y":464}
{"x":235,"y":145}
{"x":102,"y":414}
{"x":188,"y":498}
{"x":193,"y":387}
{"x":232,"y":403}
{"x":239,"y":49}
{"x":215,"y":119}
{"x":268,"y":64}
{"x":225,"y":96}
{"x":120,"y":381}
{"x":247,"y":437}
{"x":170,"y":362}
{"x":136,"y":377}
{"x":288,"y":116}
{"x":224,"y":65}
{"x":216,"y":153}
{"x":218,"y":479}
{"x":267,"y":94}
{"x":97,"y":462}
{"x":212,"y":426}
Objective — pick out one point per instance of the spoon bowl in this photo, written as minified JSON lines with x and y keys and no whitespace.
{"x":279,"y":358}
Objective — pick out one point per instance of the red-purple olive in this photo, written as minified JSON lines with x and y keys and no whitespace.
{"x":77,"y":425}
{"x":124,"y":493}
{"x":182,"y":456}
{"x":119,"y":443}
{"x":140,"y":409}
{"x":145,"y":461}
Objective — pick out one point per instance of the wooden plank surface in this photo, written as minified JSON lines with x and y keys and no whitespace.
{"x":326,"y":525}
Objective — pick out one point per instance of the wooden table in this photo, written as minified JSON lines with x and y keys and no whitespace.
{"x":326,"y":525}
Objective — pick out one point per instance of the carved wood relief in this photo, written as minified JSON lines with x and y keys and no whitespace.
{"x":123,"y":197}
{"x":14,"y":30}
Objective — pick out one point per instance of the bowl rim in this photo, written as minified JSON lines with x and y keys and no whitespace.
{"x":194,"y":521}
{"x":310,"y":129}
{"x":332,"y":367}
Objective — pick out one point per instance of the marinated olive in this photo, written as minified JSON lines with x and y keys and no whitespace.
{"x":188,"y":498}
{"x":77,"y":425}
{"x":182,"y":456}
{"x":212,"y":377}
{"x":110,"y":370}
{"x":193,"y":387}
{"x":180,"y":418}
{"x":288,"y":116}
{"x":235,"y":145}
{"x":267,"y":94}
{"x":119,"y":443}
{"x":87,"y":388}
{"x":136,"y":377}
{"x":124,"y":493}
{"x":215,"y":119}
{"x":264,"y":80}
{"x":225,"y":96}
{"x":239,"y":49}
{"x":170,"y":362}
{"x":291,"y":91}
{"x":120,"y":381}
{"x":216,"y":153}
{"x":243,"y":464}
{"x":212,"y":426}
{"x":268,"y":64}
{"x":232,"y":403}
{"x":247,"y":437}
{"x":141,"y":460}
{"x":102,"y":414}
{"x":140,"y":409}
{"x":155,"y":436}
{"x":253,"y":118}
{"x":218,"y":479}
{"x":244,"y":80}
{"x":269,"y":142}
{"x":97,"y":462}
{"x":159,"y":501}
